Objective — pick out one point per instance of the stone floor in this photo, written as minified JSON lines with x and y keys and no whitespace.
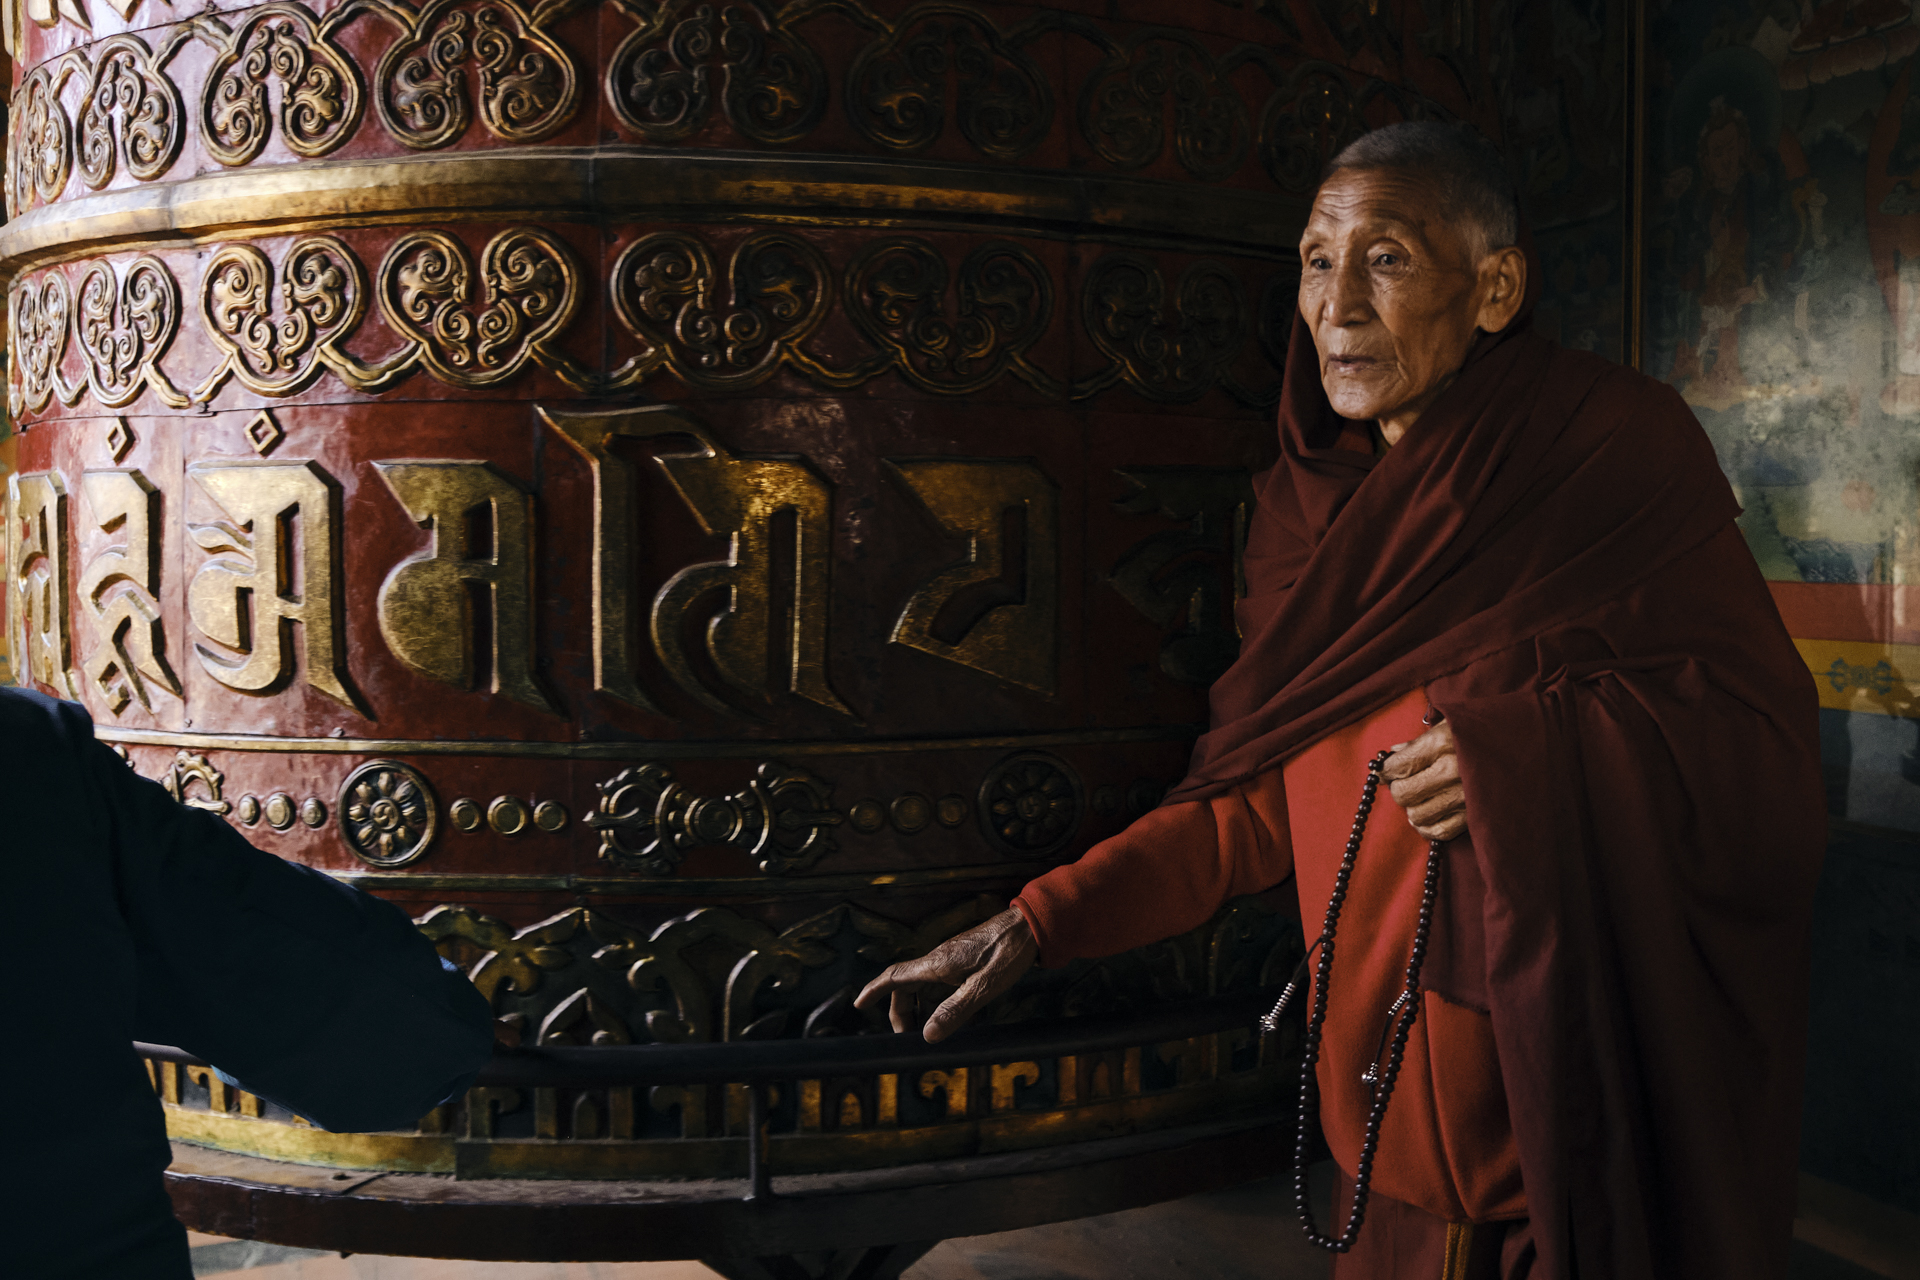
{"x":1244,"y":1233}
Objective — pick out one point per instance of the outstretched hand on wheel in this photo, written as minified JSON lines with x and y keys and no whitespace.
{"x":981,"y":963}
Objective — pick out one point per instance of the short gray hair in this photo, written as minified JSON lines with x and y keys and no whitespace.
{"x":1457,"y":159}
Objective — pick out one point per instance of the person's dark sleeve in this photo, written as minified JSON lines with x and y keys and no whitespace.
{"x":1167,"y":873}
{"x":310,"y":993}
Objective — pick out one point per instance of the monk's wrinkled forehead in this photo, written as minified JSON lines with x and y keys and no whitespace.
{"x":1369,"y":202}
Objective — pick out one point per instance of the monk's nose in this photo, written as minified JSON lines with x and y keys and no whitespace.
{"x":1346,"y":299}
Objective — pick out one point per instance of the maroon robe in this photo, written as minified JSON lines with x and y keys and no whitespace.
{"x":1551,"y":552}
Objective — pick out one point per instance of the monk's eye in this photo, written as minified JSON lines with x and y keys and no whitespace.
{"x":1320,"y":264}
{"x":1387,"y":260}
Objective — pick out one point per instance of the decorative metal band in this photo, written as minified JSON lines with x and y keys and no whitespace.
{"x":1155,"y":96}
{"x":631,"y":750}
{"x":1121,"y":1106}
{"x":477,"y":315}
{"x":602,"y":183}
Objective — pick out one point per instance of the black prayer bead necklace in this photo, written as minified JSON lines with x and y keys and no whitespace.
{"x":1399,"y":1025}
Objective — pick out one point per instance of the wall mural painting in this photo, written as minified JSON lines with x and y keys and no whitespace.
{"x":1783,"y":286}
{"x":1783,"y":290}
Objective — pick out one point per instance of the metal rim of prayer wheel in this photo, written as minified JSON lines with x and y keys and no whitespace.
{"x":693,"y":502}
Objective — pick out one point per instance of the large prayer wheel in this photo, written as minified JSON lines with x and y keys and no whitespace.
{"x":694,"y":501}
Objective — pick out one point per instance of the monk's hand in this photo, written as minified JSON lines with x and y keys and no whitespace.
{"x":1424,"y":779}
{"x":981,"y":963}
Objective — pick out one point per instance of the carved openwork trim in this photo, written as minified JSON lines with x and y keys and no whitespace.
{"x":694,"y":988}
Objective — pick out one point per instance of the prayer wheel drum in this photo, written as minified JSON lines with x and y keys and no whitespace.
{"x":694,"y":501}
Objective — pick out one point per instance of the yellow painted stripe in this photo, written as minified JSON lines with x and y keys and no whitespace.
{"x":1862,"y":675}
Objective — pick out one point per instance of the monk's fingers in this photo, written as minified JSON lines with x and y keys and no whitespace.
{"x":903,"y":1008}
{"x":1450,"y":827}
{"x":959,"y":1008}
{"x":1006,"y":962}
{"x":909,"y":1007}
{"x":1439,"y":776}
{"x":1439,"y":800}
{"x":874,"y":992}
{"x":938,"y":965}
{"x":871,"y":994}
{"x":1437,"y":808}
{"x":1420,"y":753}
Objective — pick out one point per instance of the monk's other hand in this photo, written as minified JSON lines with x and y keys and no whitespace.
{"x":977,"y":965}
{"x":1424,"y":779}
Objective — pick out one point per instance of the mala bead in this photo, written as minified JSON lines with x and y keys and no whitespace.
{"x":1400,"y":1020}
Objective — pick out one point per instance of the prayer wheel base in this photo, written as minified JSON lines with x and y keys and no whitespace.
{"x":874,"y":1220}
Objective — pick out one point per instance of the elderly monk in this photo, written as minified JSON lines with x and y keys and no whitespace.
{"x":1516,"y":568}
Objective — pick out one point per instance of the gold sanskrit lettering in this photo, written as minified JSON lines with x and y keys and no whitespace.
{"x":1187,"y":581}
{"x":481,"y":528}
{"x":274,"y":564}
{"x":120,"y":588}
{"x":745,"y":498}
{"x":37,"y":552}
{"x":998,"y":610}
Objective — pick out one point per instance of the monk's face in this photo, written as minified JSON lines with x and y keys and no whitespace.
{"x":1395,"y":291}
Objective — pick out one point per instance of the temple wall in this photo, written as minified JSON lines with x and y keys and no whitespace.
{"x":1783,"y":300}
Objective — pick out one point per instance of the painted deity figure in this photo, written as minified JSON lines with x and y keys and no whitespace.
{"x":1730,"y":242}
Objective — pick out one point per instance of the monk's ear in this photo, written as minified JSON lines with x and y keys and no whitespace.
{"x":1503,"y":287}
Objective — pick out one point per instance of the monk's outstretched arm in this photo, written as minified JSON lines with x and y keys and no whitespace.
{"x":1166,"y":874}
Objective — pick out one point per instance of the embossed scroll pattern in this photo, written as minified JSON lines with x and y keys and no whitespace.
{"x":131,"y":111}
{"x":525,"y":293}
{"x":1124,"y":109}
{"x":527,"y":84}
{"x":278,"y":350}
{"x":898,"y":296}
{"x":660,"y":79}
{"x":40,"y":312}
{"x":42,"y":150}
{"x":1167,"y":352}
{"x":946,"y":328}
{"x":897,"y":87}
{"x":720,"y":333}
{"x":319,"y":87}
{"x":437,"y":67}
{"x":1314,"y":111}
{"x":125,"y":327}
{"x":782,"y":819}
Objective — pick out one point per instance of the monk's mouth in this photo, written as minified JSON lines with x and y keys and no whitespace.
{"x":1350,"y":364}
